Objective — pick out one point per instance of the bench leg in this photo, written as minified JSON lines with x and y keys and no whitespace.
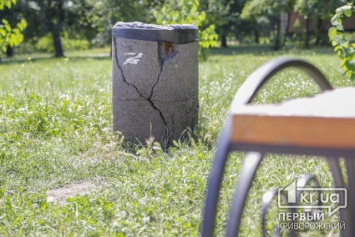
{"x":246,"y":177}
{"x":215,"y":180}
{"x":339,"y":183}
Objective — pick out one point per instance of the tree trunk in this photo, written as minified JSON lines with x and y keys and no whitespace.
{"x":288,"y":23}
{"x":57,"y":44}
{"x":9,"y":51}
{"x":277,"y":44}
{"x":56,"y":16}
{"x":306,"y":40}
{"x":224,"y":41}
{"x":319,"y":31}
{"x":237,"y":37}
{"x":256,"y":35}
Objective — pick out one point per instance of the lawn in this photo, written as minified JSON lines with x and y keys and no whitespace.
{"x":55,"y":131}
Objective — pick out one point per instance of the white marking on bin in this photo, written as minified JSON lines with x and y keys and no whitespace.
{"x":133,"y":60}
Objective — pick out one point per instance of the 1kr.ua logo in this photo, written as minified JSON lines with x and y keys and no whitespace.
{"x":295,"y":196}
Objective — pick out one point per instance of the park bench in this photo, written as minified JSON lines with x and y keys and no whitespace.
{"x":323,"y":125}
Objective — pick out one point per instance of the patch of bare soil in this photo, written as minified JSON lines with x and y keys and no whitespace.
{"x":61,"y":194}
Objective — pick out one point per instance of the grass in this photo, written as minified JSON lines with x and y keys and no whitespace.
{"x":55,"y":129}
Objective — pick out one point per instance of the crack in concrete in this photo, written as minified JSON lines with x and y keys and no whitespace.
{"x":149,"y":98}
{"x":160,"y":58}
{"x":152,"y":91}
{"x":163,"y":101}
{"x":165,"y":53}
{"x":121,"y":70}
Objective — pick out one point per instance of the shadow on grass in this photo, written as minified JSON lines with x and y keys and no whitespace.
{"x":267,"y":50}
{"x":22,"y":59}
{"x":243,"y":49}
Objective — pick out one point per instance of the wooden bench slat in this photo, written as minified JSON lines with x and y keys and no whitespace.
{"x":324,"y":121}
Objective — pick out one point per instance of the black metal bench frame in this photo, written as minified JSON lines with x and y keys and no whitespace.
{"x":243,"y":97}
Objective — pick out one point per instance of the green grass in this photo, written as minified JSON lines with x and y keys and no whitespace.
{"x":55,"y":129}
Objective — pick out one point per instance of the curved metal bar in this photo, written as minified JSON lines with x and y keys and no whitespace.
{"x":266,"y":201}
{"x":257,"y":79}
{"x":339,"y":183}
{"x":248,"y":171}
{"x":215,"y":180}
{"x":277,"y":232}
{"x":268,"y":197}
{"x":336,"y":172}
{"x":350,"y":225}
{"x":302,"y":182}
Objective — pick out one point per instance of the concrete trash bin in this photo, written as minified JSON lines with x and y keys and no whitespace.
{"x":154,"y":80}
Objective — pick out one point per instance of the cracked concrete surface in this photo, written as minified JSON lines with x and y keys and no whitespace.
{"x":155,"y":88}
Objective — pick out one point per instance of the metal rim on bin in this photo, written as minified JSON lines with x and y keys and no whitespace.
{"x":178,"y":34}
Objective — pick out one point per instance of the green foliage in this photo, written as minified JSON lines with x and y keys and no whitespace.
{"x":322,"y":9}
{"x":187,"y":12}
{"x":343,"y":46}
{"x":7,"y":3}
{"x":312,"y":10}
{"x":255,"y":8}
{"x":46,"y":44}
{"x":109,"y":12}
{"x":272,"y":9}
{"x":72,"y":17}
{"x":11,"y":36}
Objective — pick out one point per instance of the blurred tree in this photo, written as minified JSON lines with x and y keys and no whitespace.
{"x":57,"y":17}
{"x":9,"y":36}
{"x":218,"y":13}
{"x":112,"y":11}
{"x":318,"y":10}
{"x":240,"y":25}
{"x":227,"y":18}
{"x":343,"y":45}
{"x":188,"y":12}
{"x":272,"y":9}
